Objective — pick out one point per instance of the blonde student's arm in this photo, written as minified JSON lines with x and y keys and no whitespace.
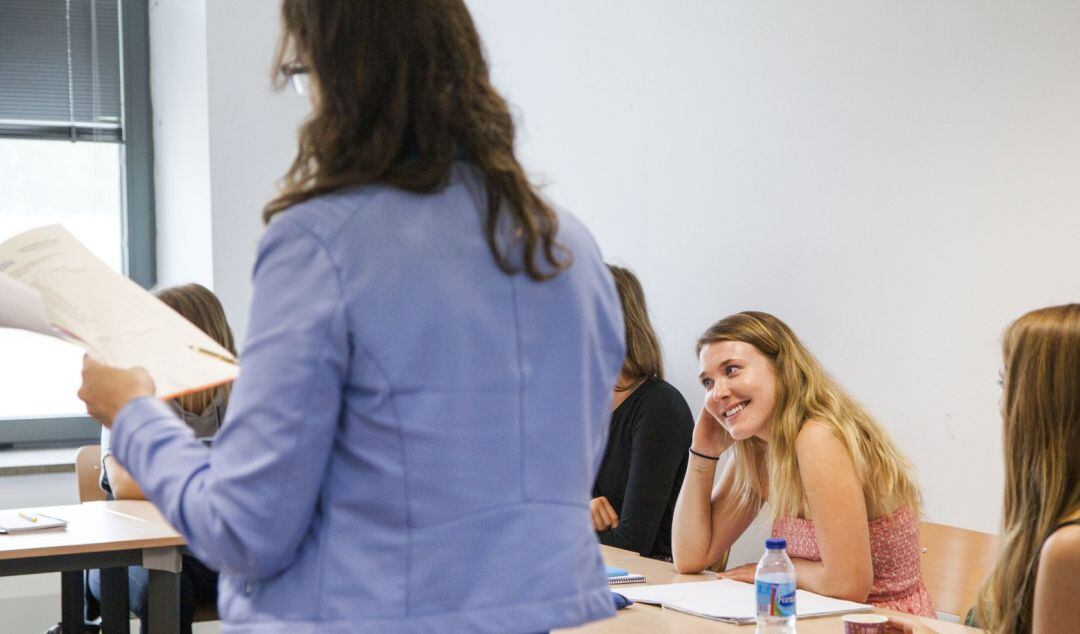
{"x":836,"y":505}
{"x":124,"y":487}
{"x":1057,"y":583}
{"x":705,"y":526}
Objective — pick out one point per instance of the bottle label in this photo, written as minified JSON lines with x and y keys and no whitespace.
{"x":775,"y":599}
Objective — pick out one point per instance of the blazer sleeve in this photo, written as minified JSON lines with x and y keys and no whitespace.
{"x":659,"y":443}
{"x":245,"y":505}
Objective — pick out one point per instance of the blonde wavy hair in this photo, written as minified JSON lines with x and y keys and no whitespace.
{"x":1041,"y":436}
{"x":804,"y":391}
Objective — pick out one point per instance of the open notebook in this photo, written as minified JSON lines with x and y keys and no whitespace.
{"x":733,"y":601}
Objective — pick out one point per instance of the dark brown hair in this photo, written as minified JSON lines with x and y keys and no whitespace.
{"x":643,"y":355}
{"x":201,"y":307}
{"x":401,"y":90}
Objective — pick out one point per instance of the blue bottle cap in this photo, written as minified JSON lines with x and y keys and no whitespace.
{"x":776,"y":544}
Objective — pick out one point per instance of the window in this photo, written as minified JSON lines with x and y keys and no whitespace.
{"x":75,"y":149}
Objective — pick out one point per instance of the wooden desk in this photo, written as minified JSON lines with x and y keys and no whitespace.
{"x":649,"y":619}
{"x":109,"y":536}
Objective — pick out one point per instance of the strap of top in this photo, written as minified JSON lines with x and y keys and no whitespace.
{"x":1063,"y":524}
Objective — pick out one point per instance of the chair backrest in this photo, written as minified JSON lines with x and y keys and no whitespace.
{"x":88,"y":473}
{"x":955,"y":563}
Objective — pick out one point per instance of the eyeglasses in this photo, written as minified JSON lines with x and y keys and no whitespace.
{"x":297,"y":76}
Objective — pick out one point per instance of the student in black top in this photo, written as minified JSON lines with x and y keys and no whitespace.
{"x":648,"y":443}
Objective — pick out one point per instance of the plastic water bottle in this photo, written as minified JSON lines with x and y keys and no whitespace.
{"x":775,"y":584}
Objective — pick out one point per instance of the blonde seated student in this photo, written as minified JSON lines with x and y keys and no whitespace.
{"x":837,"y":487}
{"x":203,"y":412}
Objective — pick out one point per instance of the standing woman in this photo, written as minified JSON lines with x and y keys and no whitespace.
{"x":425,"y":385}
{"x":837,"y":487}
{"x":651,"y":426}
{"x":1036,"y":582}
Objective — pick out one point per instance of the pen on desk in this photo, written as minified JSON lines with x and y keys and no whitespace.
{"x":28,"y":518}
{"x":213,"y":354}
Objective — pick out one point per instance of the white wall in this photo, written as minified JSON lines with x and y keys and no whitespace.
{"x":897,"y":180}
{"x":222,"y":140}
{"x":252,"y":136}
{"x":178,"y":92}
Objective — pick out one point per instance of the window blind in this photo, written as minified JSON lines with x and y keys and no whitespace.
{"x":60,"y":69}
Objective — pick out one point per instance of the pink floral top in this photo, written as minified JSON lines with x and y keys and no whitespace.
{"x":894,"y":551}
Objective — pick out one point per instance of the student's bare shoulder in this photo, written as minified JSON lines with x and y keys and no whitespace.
{"x":1060,"y":554}
{"x":1057,"y":583}
{"x":817,"y":437}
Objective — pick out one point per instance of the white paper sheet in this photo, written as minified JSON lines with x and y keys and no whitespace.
{"x":732,"y":601}
{"x":107,"y":314}
{"x":21,"y":307}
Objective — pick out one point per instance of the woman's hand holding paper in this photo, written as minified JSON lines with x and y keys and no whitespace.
{"x":106,"y":390}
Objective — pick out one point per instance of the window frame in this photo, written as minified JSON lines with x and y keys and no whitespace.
{"x":137,"y":214}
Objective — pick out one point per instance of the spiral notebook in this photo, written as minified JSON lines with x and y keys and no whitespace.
{"x":618,"y":576}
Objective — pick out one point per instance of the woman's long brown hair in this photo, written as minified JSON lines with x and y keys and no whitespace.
{"x":201,"y":307}
{"x":643,"y":355}
{"x":1041,"y":416}
{"x":401,"y":90}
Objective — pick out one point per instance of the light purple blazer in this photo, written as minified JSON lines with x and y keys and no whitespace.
{"x":414,"y":435}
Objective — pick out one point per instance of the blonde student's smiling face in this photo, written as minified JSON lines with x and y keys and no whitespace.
{"x":740,"y":387}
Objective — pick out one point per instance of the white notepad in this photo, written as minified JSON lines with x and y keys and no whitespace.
{"x":15,"y":522}
{"x":733,"y":601}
